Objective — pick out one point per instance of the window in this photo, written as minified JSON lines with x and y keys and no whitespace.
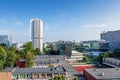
{"x":22,"y":76}
{"x":29,"y":76}
{"x":14,"y":76}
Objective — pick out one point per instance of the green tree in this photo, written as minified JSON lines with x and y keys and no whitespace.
{"x":86,"y":58}
{"x":79,"y":48}
{"x":59,"y":78}
{"x":22,"y":54}
{"x":29,"y":59}
{"x":27,"y":53}
{"x":28,"y":46}
{"x":12,"y":48}
{"x":101,"y":56}
{"x":11,"y":58}
{"x":3,"y":56}
{"x":116,"y":53}
{"x":44,"y":50}
{"x":55,"y":78}
{"x":37,"y":51}
{"x":62,"y":77}
{"x":75,"y":79}
{"x":3,"y":44}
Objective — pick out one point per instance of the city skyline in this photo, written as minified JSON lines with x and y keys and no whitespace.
{"x":63,"y":19}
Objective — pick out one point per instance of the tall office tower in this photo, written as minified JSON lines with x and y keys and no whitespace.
{"x":36,"y":32}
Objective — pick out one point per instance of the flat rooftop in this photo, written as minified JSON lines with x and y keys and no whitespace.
{"x":59,"y":69}
{"x":105,"y":73}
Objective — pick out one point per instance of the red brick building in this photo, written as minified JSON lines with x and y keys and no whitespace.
{"x":21,"y":63}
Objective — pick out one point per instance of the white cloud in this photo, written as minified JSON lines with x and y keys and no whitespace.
{"x":18,"y":23}
{"x":96,"y":26}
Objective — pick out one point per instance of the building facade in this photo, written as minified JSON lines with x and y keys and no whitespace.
{"x":32,"y":73}
{"x":95,"y":45}
{"x":113,"y":38}
{"x":37,"y":73}
{"x":36,"y":28}
{"x":112,"y":62}
{"x":6,"y":39}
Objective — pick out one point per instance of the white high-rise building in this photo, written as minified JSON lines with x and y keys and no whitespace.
{"x":36,"y":33}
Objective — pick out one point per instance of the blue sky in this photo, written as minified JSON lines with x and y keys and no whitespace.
{"x":63,"y":19}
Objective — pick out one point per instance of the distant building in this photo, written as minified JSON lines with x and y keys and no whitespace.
{"x":112,"y":62}
{"x":18,"y":46}
{"x":102,"y":74}
{"x":113,"y":38}
{"x":95,"y":45}
{"x":36,"y":27}
{"x":6,"y":39}
{"x":64,"y":47}
{"x":75,"y":56}
{"x":68,"y":49}
{"x":47,"y":60}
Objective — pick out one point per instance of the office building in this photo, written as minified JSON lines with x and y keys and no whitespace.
{"x":6,"y":39}
{"x":95,"y":45}
{"x":36,"y":28}
{"x":113,"y":38}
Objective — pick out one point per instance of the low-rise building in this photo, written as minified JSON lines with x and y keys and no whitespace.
{"x":111,"y":62}
{"x":55,"y":60}
{"x":47,"y":60}
{"x":38,"y":73}
{"x":32,"y":73}
{"x":102,"y":74}
{"x":75,"y":56}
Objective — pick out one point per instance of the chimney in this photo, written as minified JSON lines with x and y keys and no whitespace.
{"x":94,"y":69}
{"x":102,"y":74}
{"x":117,"y":69}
